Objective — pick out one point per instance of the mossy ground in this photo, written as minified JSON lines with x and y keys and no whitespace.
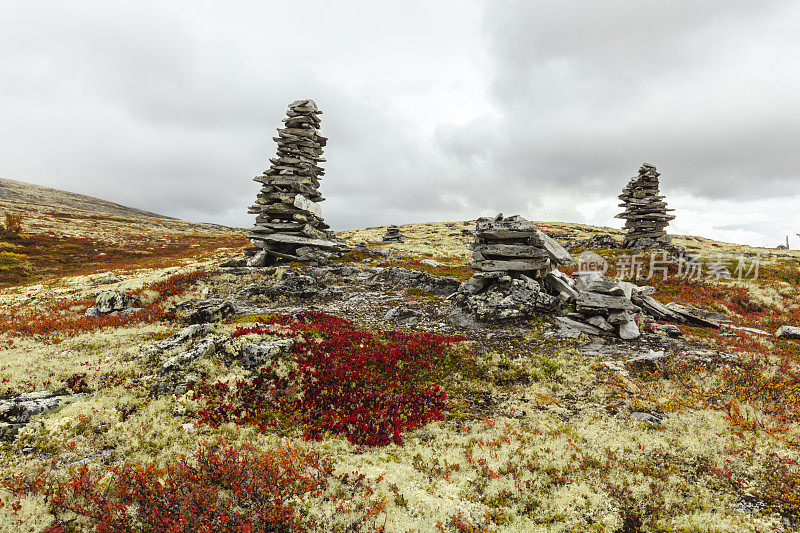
{"x":537,"y":436}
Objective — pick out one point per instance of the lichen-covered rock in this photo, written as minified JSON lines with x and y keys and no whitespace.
{"x":203,"y":311}
{"x":437,"y":285}
{"x":507,"y":299}
{"x":108,"y":301}
{"x":16,"y":412}
{"x":256,"y":354}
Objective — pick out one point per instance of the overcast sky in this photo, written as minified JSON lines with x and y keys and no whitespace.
{"x":435,"y":110}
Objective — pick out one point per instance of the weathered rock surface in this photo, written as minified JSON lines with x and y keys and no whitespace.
{"x":788,"y":332}
{"x":253,"y":355}
{"x":109,"y":301}
{"x":204,"y":311}
{"x":16,"y":412}
{"x":436,"y":285}
{"x":505,"y":298}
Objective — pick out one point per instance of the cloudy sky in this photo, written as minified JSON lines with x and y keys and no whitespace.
{"x":435,"y":110}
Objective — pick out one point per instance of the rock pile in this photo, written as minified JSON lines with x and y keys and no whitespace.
{"x":514,"y":246}
{"x":602,"y":305}
{"x":393,"y":235}
{"x":511,"y":256}
{"x":517,"y":277}
{"x":289,"y":222}
{"x":646,"y":214}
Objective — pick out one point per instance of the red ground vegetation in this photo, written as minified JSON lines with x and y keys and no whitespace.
{"x":367,"y":386}
{"x":220,"y":489}
{"x":52,"y":321}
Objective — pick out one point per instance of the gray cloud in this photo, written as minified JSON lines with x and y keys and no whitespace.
{"x":435,"y":111}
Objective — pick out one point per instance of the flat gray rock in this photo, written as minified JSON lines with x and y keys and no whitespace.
{"x":556,"y":251}
{"x":629,"y":331}
{"x":573,"y":328}
{"x":591,"y":301}
{"x":788,"y":332}
{"x":696,"y":315}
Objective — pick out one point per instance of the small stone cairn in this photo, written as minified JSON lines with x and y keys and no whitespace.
{"x":393,"y":235}
{"x":289,"y":224}
{"x":511,"y":256}
{"x":646,"y":214}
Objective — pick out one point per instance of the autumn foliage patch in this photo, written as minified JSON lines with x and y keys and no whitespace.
{"x":220,"y":489}
{"x":367,"y":386}
{"x":51,"y":321}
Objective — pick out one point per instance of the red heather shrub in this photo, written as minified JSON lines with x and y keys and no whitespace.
{"x":54,"y":320}
{"x":225,"y":489}
{"x":367,"y":386}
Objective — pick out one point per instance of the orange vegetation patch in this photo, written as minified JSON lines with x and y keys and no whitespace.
{"x":53,"y":257}
{"x":223,"y":488}
{"x":52,"y":321}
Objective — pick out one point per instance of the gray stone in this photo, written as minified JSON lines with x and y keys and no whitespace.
{"x":653,"y":419}
{"x":557,"y":252}
{"x":573,"y":328}
{"x":629,"y":331}
{"x":204,"y":348}
{"x":788,"y":332}
{"x":560,"y":284}
{"x":92,"y":312}
{"x":651,"y":360}
{"x":108,"y":301}
{"x":256,"y":354}
{"x":619,"y":317}
{"x":605,"y":286}
{"x":696,"y":315}
{"x":402,"y":314}
{"x":600,"y":322}
{"x":593,"y":302}
{"x":670,"y":329}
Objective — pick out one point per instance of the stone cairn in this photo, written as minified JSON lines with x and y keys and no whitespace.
{"x":393,"y":235}
{"x":646,"y":214}
{"x":289,"y":224}
{"x":517,"y":276}
{"x":515,"y":246}
{"x":511,"y":256}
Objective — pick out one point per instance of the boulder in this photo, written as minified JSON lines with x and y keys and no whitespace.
{"x":108,"y":301}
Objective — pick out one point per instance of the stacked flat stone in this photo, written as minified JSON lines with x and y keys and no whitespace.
{"x":646,"y":215}
{"x":393,"y":235}
{"x":289,"y":224}
{"x":515,"y":246}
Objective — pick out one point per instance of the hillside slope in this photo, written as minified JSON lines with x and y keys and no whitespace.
{"x":68,"y":233}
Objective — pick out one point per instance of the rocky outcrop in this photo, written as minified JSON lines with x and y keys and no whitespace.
{"x":289,"y":224}
{"x":17,"y":411}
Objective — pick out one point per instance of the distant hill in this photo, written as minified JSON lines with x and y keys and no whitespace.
{"x":66,"y":233}
{"x":19,"y":193}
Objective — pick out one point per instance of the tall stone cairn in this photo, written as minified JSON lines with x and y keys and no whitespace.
{"x":289,"y":224}
{"x":646,"y":215}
